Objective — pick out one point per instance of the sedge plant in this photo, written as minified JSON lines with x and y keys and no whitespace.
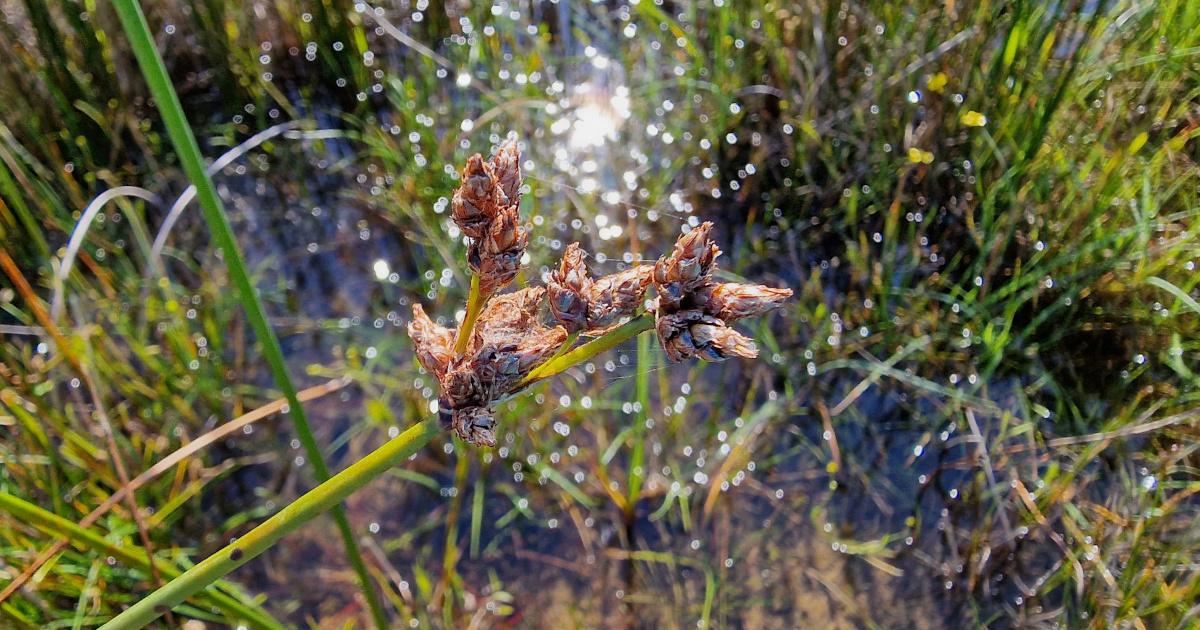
{"x":509,"y":341}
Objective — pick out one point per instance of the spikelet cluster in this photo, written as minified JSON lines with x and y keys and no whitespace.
{"x":581,"y":304}
{"x":693,"y":311}
{"x":486,"y":207}
{"x":512,"y":335}
{"x":507,"y":344}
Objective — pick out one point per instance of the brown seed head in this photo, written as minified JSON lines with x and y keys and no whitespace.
{"x":567,"y":289}
{"x":511,"y":312}
{"x":496,"y":258}
{"x":434,"y":344}
{"x":507,"y":344}
{"x":616,"y":295}
{"x":730,"y":301}
{"x":506,"y":164}
{"x":691,"y":333}
{"x":687,"y":267}
{"x":475,"y":425}
{"x":479,"y":199}
{"x":465,"y":384}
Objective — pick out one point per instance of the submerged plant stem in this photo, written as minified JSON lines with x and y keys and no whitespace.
{"x":310,"y":505}
{"x":154,"y":71}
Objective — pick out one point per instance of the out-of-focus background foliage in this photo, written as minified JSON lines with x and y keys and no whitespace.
{"x":980,"y":408}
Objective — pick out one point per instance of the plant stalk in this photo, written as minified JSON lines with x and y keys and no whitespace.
{"x":475,"y":300}
{"x":330,"y":493}
{"x":133,"y":21}
{"x":610,"y":340}
{"x":304,"y":509}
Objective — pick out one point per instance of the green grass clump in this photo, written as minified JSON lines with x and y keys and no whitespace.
{"x":980,"y":408}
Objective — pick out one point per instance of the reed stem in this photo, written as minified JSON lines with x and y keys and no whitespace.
{"x":475,"y":300}
{"x":133,"y":21}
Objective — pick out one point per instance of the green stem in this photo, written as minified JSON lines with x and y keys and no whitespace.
{"x":610,"y":340}
{"x":330,"y":493}
{"x":310,"y":505}
{"x":566,"y":347}
{"x":131,"y":555}
{"x":475,"y":300}
{"x":637,"y":460}
{"x":134,"y":23}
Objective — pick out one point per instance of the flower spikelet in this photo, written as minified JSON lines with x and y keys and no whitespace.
{"x":464,"y":385}
{"x":692,"y":333}
{"x":580,"y":303}
{"x":617,"y":295}
{"x":479,"y":199}
{"x":730,"y":301}
{"x":506,"y":165}
{"x":475,"y":425}
{"x":434,"y":344}
{"x":506,"y":361}
{"x":687,"y":267}
{"x":568,"y":287}
{"x":718,"y":342}
{"x":496,"y":258}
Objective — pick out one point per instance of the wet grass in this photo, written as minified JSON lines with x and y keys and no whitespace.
{"x":979,"y":409}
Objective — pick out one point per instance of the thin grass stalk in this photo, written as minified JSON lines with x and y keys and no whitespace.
{"x":132,"y":556}
{"x":137,"y":30}
{"x":13,"y":197}
{"x":637,"y":460}
{"x":610,"y":340}
{"x":304,"y":509}
{"x":475,"y":300}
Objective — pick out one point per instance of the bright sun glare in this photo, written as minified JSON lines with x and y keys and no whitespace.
{"x":598,"y":117}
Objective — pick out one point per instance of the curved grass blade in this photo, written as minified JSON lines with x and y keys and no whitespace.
{"x":1179,"y":294}
{"x":133,"y":21}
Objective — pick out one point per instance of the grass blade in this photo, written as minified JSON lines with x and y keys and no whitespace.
{"x":307,"y":507}
{"x":136,"y":557}
{"x":1179,"y":294}
{"x":134,"y":23}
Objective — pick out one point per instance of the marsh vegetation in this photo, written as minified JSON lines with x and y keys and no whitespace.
{"x":979,"y":408}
